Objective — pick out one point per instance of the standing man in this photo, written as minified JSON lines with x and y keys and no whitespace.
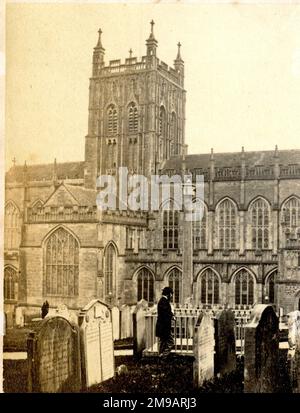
{"x":164,"y":323}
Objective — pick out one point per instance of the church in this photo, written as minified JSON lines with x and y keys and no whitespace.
{"x":61,"y":248}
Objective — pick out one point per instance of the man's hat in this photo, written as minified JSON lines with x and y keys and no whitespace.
{"x":167,"y":291}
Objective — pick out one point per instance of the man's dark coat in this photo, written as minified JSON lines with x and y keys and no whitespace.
{"x":164,"y":318}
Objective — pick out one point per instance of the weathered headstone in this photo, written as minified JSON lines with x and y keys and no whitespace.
{"x":125,"y":321}
{"x":203,"y":348}
{"x":115,"y":313}
{"x":19,"y":317}
{"x":139,"y":332}
{"x":261,"y":351}
{"x":54,"y":357}
{"x":294,"y":350}
{"x":97,"y":347}
{"x":63,"y":311}
{"x":225,"y":356}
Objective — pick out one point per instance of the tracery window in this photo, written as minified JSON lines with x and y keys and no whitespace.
{"x":112,"y":120}
{"x":12,"y":226}
{"x":133,"y":122}
{"x":270,"y":286}
{"x":244,"y":288}
{"x":170,"y":227}
{"x":145,"y":282}
{"x":10,"y":279}
{"x":260,"y":221}
{"x":209,"y":287}
{"x":61,"y":264}
{"x":227,"y":225}
{"x":175,"y":282}
{"x":291,"y":213}
{"x":199,"y":231}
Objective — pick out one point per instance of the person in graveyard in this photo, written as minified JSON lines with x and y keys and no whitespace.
{"x":45,"y":309}
{"x":163,"y":329}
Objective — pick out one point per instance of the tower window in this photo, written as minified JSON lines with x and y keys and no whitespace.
{"x":170,"y":227}
{"x":209,"y":287}
{"x":112,"y":120}
{"x":110,"y":270}
{"x":175,"y":282}
{"x":133,"y":122}
{"x":10,"y":279}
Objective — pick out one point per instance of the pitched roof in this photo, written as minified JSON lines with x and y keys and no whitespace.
{"x":66,"y":194}
{"x":262,"y":158}
{"x":44,"y":172}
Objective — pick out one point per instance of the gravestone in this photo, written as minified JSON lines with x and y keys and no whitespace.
{"x":261,"y":351}
{"x":203,"y":348}
{"x":19,"y":317}
{"x":139,"y":325}
{"x":53,"y":352}
{"x":294,"y":350}
{"x":63,"y":311}
{"x":225,"y":351}
{"x":125,"y":321}
{"x":97,"y":349}
{"x":115,"y":313}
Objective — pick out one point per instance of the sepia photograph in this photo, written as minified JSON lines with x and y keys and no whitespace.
{"x":151,"y":200}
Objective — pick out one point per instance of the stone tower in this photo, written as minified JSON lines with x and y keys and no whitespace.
{"x":136,"y":113}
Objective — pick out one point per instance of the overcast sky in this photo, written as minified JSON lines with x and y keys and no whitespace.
{"x":242,"y":66}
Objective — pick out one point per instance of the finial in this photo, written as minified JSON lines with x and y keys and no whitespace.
{"x":276,"y":150}
{"x":14,"y":161}
{"x":152,"y":24}
{"x":130,"y":53}
{"x":212,"y":154}
{"x":99,"y":44}
{"x":25,"y":167}
{"x":178,"y":52}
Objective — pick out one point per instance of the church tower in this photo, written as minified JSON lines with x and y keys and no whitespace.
{"x":136,"y":113}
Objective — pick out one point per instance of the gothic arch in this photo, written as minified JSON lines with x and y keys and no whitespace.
{"x":57,"y":228}
{"x":145,"y":280}
{"x":36,"y":203}
{"x":175,"y":280}
{"x":227,"y":224}
{"x":257,"y":198}
{"x":289,"y":198}
{"x":61,"y":263}
{"x":233,"y":275}
{"x":13,"y":204}
{"x":244,"y":283}
{"x":228,"y":198}
{"x":10,"y":279}
{"x":137,"y":270}
{"x":208,"y":286}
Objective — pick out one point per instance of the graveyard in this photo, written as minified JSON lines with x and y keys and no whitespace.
{"x":107,"y":350}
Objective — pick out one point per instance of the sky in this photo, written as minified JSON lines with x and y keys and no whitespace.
{"x":242,"y":72}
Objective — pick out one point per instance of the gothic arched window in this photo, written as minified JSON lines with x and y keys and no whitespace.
{"x":209,"y":287}
{"x":244,"y":288}
{"x":175,"y":282}
{"x":145,"y":283}
{"x":133,"y":122}
{"x":12,"y":226}
{"x":291,"y":213}
{"x":270,"y":287}
{"x":61,"y":264}
{"x":227,"y":225}
{"x":199,"y":231}
{"x":260,"y":221}
{"x":110,"y":258}
{"x":170,"y":227}
{"x":10,"y":280}
{"x":112,"y":120}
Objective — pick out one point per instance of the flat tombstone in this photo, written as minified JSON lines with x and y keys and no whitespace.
{"x":97,"y":346}
{"x":261,"y":351}
{"x":115,"y":313}
{"x":54,"y":357}
{"x":225,"y":361}
{"x":139,"y":327}
{"x":204,"y":342}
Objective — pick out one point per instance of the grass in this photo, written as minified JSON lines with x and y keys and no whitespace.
{"x":15,"y":339}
